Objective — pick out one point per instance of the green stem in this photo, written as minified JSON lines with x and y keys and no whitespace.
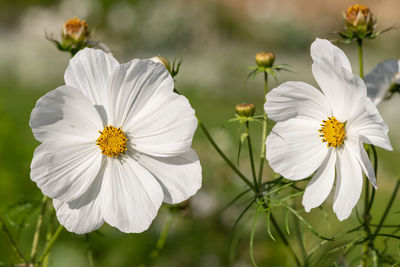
{"x":14,"y":246}
{"x":163,"y":237}
{"x":39,"y":224}
{"x":284,"y":240}
{"x":367,"y":232}
{"x":49,"y":233}
{"x":224,"y":157}
{"x":385,"y":213}
{"x":253,"y":230}
{"x":253,"y":169}
{"x":50,"y":244}
{"x":360,"y":57}
{"x":376,"y":177}
{"x":264,"y":132}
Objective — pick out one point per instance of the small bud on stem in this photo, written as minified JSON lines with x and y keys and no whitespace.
{"x":265,"y":59}
{"x":245,"y":109}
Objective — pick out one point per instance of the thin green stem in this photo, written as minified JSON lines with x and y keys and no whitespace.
{"x":13,"y":244}
{"x":264,"y":132}
{"x":389,"y":205}
{"x":253,"y":230}
{"x":50,"y":229}
{"x":224,"y":157}
{"x":50,"y":244}
{"x":282,"y":236}
{"x":253,"y":169}
{"x":39,"y":224}
{"x":360,"y":57}
{"x":366,"y":247}
{"x":163,"y":237}
{"x":376,"y":177}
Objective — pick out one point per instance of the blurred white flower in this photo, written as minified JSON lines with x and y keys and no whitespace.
{"x":323,"y":131}
{"x":381,"y":79}
{"x":115,"y":144}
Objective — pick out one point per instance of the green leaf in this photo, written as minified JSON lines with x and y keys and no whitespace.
{"x":253,"y":230}
{"x":305,"y":222}
{"x":268,"y":216}
{"x":287,"y":221}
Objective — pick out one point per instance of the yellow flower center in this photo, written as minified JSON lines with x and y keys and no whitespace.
{"x":112,"y":141}
{"x":333,"y":132}
{"x":352,"y":11}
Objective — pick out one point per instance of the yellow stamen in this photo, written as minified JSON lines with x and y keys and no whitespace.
{"x":333,"y":132}
{"x":352,"y":11}
{"x":112,"y":141}
{"x":75,"y":27}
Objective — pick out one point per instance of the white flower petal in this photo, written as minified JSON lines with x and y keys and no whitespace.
{"x":134,"y":84}
{"x":294,"y":148}
{"x":357,"y":150}
{"x":179,"y":176}
{"x":296,"y":99}
{"x":369,"y":125}
{"x":131,"y":196}
{"x":164,"y":127}
{"x":380,"y":78}
{"x":322,"y":49}
{"x":320,"y":186}
{"x":348,"y":185}
{"x":82,"y":215}
{"x":66,"y":115}
{"x":90,"y":71}
{"x":65,"y":171}
{"x":333,"y":74}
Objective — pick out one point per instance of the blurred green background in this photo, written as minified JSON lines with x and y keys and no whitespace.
{"x":219,"y":39}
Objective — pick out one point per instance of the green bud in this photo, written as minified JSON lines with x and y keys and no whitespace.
{"x":358,"y":19}
{"x":265,"y":59}
{"x":245,"y":109}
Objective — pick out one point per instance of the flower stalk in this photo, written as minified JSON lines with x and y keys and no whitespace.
{"x":36,"y":235}
{"x":264,"y":132}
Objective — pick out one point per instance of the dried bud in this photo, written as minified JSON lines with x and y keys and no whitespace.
{"x":75,"y":31}
{"x":359,"y":19}
{"x":265,"y":59}
{"x":163,"y":61}
{"x":245,"y":109}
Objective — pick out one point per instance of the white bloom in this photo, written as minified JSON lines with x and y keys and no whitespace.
{"x":324,"y":131}
{"x":115,"y":144}
{"x":381,"y":78}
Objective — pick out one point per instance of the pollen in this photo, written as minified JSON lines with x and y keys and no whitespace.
{"x":332,"y":132}
{"x":352,"y":11}
{"x":112,"y":141}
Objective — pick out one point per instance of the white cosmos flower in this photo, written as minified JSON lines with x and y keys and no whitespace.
{"x":324,"y":131}
{"x":115,"y":143}
{"x":381,"y":78}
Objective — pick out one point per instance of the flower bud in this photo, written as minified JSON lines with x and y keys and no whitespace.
{"x":358,"y":18}
{"x":245,"y":109}
{"x":265,"y":59}
{"x":163,"y":61}
{"x":75,"y":31}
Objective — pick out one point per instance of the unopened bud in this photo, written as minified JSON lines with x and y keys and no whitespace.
{"x":163,"y":61}
{"x":359,"y":19}
{"x":75,"y":30}
{"x":245,"y":109}
{"x":265,"y":59}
